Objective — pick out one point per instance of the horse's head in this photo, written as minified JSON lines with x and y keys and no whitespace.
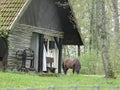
{"x":77,"y":66}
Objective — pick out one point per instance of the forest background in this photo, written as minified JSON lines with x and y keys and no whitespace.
{"x":98,"y":23}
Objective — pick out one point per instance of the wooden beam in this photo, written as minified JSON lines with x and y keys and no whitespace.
{"x":39,"y":30}
{"x":60,"y":56}
{"x":40,"y":57}
{"x":78,"y":50}
{"x":59,"y":46}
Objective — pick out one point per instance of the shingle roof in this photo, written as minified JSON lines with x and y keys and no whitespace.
{"x":10,"y":11}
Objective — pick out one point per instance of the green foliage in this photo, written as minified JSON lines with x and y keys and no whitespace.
{"x":111,"y":73}
{"x":91,"y":63}
{"x":82,"y":10}
{"x":3,"y":33}
{"x":69,"y":51}
{"x":115,"y":60}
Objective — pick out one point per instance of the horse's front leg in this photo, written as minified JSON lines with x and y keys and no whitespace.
{"x":65,"y":70}
{"x":73,"y":69}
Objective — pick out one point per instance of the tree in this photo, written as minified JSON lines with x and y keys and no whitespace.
{"x":93,"y":32}
{"x":116,"y":24}
{"x":101,"y":27}
{"x":115,"y":17}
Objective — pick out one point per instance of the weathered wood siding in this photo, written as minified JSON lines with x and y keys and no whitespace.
{"x":43,"y":14}
{"x":19,"y":39}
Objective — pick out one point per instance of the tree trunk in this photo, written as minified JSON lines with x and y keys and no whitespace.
{"x":116,"y":26}
{"x":91,"y":25}
{"x":101,"y":21}
{"x":93,"y":43}
{"x":115,"y":15}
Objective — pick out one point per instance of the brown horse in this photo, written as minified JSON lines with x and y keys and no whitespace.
{"x":71,"y":64}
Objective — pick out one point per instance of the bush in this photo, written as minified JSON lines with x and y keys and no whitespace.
{"x":91,"y":63}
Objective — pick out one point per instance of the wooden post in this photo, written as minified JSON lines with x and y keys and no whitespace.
{"x":60,"y":56}
{"x":40,"y":57}
{"x":78,"y":50}
{"x":59,"y":45}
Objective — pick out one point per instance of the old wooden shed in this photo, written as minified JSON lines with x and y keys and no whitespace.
{"x":42,"y":25}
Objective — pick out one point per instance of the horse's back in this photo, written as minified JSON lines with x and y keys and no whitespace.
{"x":68,"y":63}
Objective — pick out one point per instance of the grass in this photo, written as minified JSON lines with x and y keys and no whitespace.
{"x":26,"y":80}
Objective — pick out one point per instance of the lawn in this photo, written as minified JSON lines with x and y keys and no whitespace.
{"x":26,"y":80}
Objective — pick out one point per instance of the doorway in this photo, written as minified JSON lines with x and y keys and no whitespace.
{"x":35,"y":48}
{"x":3,"y":52}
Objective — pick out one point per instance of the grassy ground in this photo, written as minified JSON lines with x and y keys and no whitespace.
{"x":23,"y":80}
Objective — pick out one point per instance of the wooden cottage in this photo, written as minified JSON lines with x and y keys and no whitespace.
{"x":41,"y":25}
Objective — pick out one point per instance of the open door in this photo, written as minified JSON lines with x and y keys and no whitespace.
{"x":3,"y":53}
{"x":35,"y":48}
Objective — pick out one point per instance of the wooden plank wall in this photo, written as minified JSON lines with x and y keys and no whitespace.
{"x":19,"y":39}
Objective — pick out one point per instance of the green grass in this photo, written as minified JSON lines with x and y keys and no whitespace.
{"x":26,"y":80}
